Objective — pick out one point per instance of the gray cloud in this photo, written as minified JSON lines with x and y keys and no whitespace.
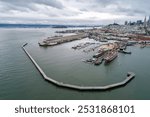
{"x":24,"y":4}
{"x":126,"y":7}
{"x":72,"y":11}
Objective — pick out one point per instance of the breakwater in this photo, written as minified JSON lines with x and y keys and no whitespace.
{"x":129,"y":77}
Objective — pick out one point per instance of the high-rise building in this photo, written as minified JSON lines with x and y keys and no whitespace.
{"x":126,"y":23}
{"x":148,"y":22}
{"x":139,"y":22}
{"x":145,"y":22}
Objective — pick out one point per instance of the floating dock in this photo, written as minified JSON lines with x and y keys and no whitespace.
{"x":129,"y":77}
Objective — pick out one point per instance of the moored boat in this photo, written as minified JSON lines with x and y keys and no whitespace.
{"x":100,"y":53}
{"x":52,"y":43}
{"x":123,"y":51}
{"x":98,"y":61}
{"x":110,"y":56}
{"x":42,"y":44}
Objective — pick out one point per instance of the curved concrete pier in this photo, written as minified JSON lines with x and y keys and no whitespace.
{"x":130,"y":76}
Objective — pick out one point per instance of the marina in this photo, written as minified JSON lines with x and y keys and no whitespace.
{"x":130,"y":76}
{"x":107,"y":51}
{"x":64,"y":64}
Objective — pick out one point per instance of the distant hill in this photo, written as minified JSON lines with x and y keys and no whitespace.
{"x":24,"y":26}
{"x":40,"y":26}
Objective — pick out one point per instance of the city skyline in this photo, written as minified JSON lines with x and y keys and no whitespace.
{"x":78,"y":12}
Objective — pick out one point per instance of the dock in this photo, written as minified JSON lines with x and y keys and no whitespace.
{"x":62,"y":39}
{"x":130,"y":76}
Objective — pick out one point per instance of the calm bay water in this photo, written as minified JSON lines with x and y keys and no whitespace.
{"x":19,"y":79}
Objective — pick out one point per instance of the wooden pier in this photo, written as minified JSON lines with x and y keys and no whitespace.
{"x":129,"y":77}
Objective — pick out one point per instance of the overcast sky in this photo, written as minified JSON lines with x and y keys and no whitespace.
{"x":72,"y":11}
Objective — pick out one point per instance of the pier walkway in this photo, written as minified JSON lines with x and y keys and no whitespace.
{"x":129,"y":77}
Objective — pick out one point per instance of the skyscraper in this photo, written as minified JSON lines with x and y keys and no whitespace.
{"x":145,"y":22}
{"x":126,"y":23}
{"x":148,"y":22}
